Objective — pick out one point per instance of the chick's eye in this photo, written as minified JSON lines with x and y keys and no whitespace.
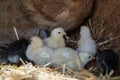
{"x":59,"y":32}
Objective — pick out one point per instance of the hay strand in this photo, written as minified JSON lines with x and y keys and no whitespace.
{"x":16,"y":33}
{"x":22,"y":61}
{"x":102,"y":43}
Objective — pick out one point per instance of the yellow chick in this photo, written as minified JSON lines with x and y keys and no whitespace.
{"x":56,"y":39}
{"x":41,"y":55}
{"x":70,"y":58}
{"x":86,"y":42}
{"x":37,"y":52}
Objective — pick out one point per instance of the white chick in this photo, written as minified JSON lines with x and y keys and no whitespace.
{"x":40,"y":54}
{"x":85,"y":58}
{"x":70,"y":58}
{"x":37,"y":52}
{"x":86,"y":42}
{"x":56,"y":39}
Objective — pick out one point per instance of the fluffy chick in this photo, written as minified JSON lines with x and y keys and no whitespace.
{"x":44,"y":33}
{"x":70,"y":58}
{"x":16,"y":50}
{"x":107,"y":61}
{"x":56,"y":39}
{"x":86,"y":42}
{"x":3,"y":55}
{"x":40,"y":54}
{"x":37,"y":52}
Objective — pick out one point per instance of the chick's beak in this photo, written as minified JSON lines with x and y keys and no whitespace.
{"x":64,"y":33}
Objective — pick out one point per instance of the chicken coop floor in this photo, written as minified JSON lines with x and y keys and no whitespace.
{"x":30,"y":72}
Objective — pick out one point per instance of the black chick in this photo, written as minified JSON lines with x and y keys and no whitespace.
{"x":16,"y":50}
{"x":107,"y":61}
{"x":3,"y":51}
{"x":44,"y":33}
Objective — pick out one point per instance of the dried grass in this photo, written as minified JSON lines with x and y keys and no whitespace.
{"x":98,"y":32}
{"x":30,"y":72}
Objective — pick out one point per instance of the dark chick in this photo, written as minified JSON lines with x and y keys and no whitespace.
{"x":107,"y":61}
{"x":3,"y":55}
{"x":16,"y":50}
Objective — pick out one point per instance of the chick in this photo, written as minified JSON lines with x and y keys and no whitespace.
{"x":107,"y":61}
{"x":56,"y":39}
{"x":70,"y":58}
{"x":16,"y":50}
{"x":3,"y":55}
{"x":41,"y":55}
{"x":37,"y":52}
{"x":44,"y":33}
{"x":86,"y":42}
{"x":85,"y":58}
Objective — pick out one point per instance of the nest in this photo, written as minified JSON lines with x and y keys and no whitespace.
{"x":30,"y":72}
{"x":98,"y":35}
